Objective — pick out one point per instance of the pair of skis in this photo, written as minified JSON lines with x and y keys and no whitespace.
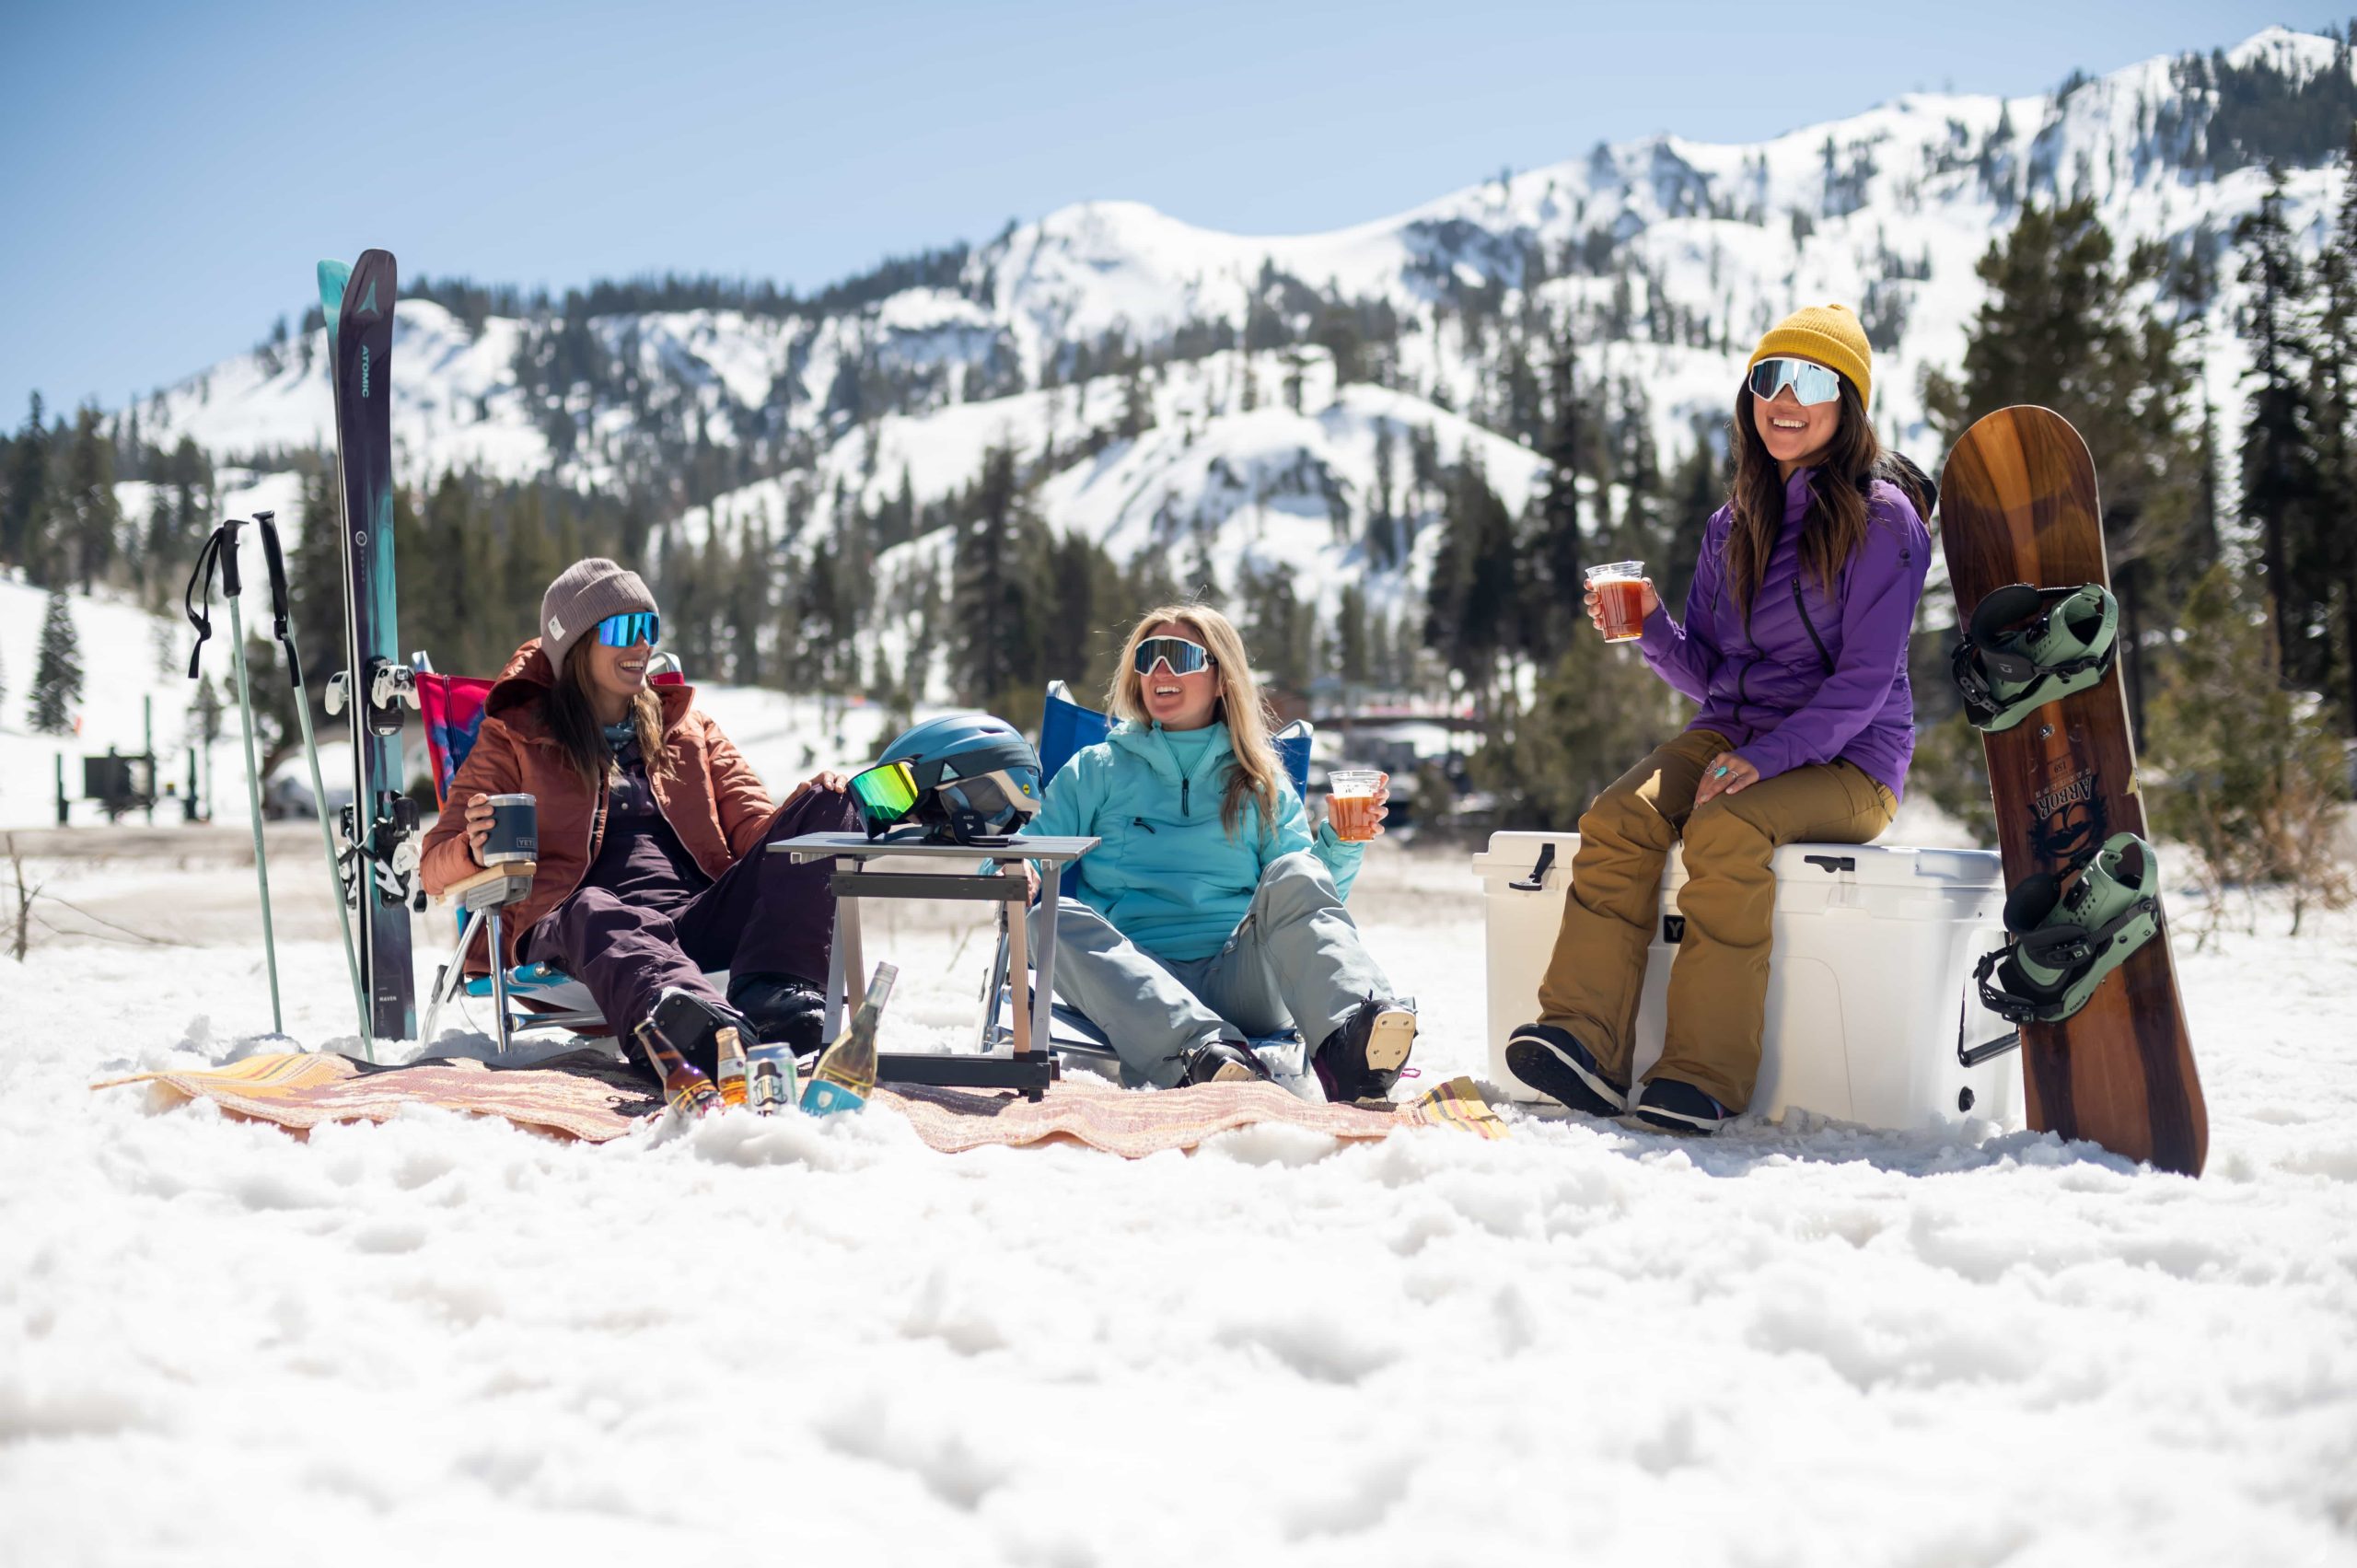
{"x":379,"y":858}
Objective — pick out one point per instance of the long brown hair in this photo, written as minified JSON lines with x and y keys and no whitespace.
{"x":1836,"y":524}
{"x":571,"y":710}
{"x":1255,"y":770}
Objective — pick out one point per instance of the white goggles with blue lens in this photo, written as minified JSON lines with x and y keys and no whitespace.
{"x":1811,"y":384}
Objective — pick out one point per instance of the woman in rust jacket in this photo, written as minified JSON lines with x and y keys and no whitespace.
{"x":651,"y":830}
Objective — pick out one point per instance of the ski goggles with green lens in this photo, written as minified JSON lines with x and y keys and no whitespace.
{"x":886,"y":793}
{"x":1811,"y":384}
{"x":636,"y":626}
{"x":1175,"y":654}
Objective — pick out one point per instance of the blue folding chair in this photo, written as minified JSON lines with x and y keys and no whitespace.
{"x":1065,"y":727}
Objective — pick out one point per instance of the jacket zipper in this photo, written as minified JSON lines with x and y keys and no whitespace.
{"x":1142,"y":823}
{"x":1186,"y":779}
{"x":1802,"y":605}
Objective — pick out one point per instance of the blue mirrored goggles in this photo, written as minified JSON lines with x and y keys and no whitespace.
{"x":637,"y":626}
{"x":1180,"y":656}
{"x":1811,"y":384}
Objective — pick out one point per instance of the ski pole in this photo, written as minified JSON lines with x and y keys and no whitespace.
{"x":222,"y":550}
{"x":265,"y":521}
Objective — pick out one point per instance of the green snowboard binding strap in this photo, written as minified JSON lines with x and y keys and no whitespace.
{"x":2067,"y":939}
{"x":2029,"y":646}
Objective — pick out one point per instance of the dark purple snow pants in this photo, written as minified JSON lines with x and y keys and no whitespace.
{"x":766,"y":915}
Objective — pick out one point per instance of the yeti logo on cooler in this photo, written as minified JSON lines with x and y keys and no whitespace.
{"x":1673,"y":929}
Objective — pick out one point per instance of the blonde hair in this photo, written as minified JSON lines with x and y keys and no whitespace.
{"x":1255,"y":773}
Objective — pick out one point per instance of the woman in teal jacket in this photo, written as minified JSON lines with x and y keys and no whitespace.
{"x":1210,"y":912}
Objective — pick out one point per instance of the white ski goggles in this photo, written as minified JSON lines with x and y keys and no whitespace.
{"x":1176,"y":655}
{"x":1812,"y":384}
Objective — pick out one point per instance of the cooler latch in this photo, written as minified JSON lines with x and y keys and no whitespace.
{"x":1537,"y":880}
{"x":1833,"y":863}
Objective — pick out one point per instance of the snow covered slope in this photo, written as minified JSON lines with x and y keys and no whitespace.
{"x":444,"y":1340}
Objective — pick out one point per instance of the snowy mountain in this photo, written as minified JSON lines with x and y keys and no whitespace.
{"x":1662,"y":258}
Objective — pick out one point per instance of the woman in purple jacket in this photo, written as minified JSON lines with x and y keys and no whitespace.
{"x":1795,"y":643}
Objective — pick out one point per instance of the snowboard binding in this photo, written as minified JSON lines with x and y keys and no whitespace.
{"x":2067,"y":938}
{"x":2027,"y":646}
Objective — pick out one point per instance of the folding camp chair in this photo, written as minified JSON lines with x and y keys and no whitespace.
{"x":1065,"y":727}
{"x":537,"y":995}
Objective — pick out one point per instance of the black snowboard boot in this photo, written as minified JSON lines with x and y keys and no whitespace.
{"x":1222,"y":1062}
{"x":1553,"y":1062}
{"x":1362,"y":1058}
{"x":690,"y":1025}
{"x":786,"y":1009}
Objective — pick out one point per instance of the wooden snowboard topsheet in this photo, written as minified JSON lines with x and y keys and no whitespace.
{"x":2018,"y":504}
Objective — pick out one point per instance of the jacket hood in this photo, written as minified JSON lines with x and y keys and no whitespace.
{"x":529,"y":677}
{"x":1145,"y":741}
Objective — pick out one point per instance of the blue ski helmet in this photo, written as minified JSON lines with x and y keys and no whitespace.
{"x":976,"y":776}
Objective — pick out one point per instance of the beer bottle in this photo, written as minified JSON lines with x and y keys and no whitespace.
{"x":688,"y":1091}
{"x":731,"y":1051}
{"x":845,"y":1075}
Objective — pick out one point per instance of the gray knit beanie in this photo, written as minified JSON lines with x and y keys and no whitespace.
{"x":584,"y":594}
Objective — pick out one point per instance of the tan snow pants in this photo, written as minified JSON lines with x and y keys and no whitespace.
{"x":1718,"y":987}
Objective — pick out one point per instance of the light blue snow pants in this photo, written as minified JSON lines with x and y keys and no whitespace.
{"x":1294,"y":961}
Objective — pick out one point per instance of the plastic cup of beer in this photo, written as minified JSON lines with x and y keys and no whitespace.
{"x":1620,"y":598}
{"x":1349,"y":803}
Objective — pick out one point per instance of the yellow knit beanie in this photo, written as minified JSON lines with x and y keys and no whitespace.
{"x":1828,"y":335}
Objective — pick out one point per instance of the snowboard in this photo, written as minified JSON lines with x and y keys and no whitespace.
{"x":380,"y":825}
{"x":2018,"y":504}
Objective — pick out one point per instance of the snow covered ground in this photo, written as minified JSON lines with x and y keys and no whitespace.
{"x":444,"y":1340}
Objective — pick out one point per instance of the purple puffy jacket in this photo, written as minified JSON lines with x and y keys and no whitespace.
{"x":1786,"y":698}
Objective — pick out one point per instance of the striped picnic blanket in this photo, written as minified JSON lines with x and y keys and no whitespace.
{"x":591,"y":1095}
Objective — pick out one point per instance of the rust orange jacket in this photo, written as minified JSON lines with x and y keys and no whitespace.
{"x":714,"y":800}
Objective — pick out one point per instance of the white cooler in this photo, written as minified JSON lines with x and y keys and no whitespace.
{"x":1870,"y":990}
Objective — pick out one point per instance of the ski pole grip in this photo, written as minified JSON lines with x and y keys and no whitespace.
{"x":231,"y":586}
{"x":266,"y":522}
{"x":277,"y":559}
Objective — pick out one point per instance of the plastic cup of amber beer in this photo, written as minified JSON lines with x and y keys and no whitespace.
{"x":1349,"y":803}
{"x":1620,"y":598}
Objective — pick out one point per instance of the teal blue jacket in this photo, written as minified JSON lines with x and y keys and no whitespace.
{"x":1169,"y":876}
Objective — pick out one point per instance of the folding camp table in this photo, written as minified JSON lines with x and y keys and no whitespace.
{"x":1031,"y":1066}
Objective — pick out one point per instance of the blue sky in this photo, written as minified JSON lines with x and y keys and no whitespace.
{"x":169,"y":173}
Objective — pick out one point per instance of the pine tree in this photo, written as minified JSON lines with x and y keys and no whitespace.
{"x":1353,"y":656}
{"x":998,"y":603}
{"x":1562,"y":557}
{"x":1385,"y":547}
{"x":1470,"y":616}
{"x":92,"y":520}
{"x":2334,"y":397}
{"x":315,"y":586}
{"x":24,"y":497}
{"x":2283,"y":477}
{"x":1337,"y":334}
{"x":2251,"y":774}
{"x":2065,"y":327}
{"x":1592,"y":710}
{"x":57,"y":673}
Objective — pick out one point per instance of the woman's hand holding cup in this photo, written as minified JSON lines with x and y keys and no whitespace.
{"x":1597,"y":614}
